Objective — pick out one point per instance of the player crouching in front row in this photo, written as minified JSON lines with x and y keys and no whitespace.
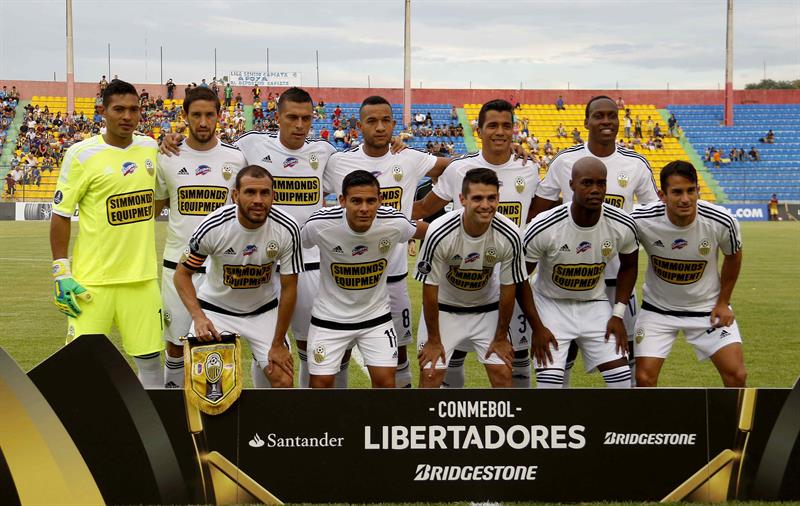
{"x":244,"y":243}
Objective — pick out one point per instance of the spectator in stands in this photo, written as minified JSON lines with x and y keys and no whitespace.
{"x":215,"y":86}
{"x":658,"y":143}
{"x":419,"y":118}
{"x":256,"y":91}
{"x":238,"y":98}
{"x":144,"y":96}
{"x":672,"y":123}
{"x":337,"y":112}
{"x":657,"y":131}
{"x":36,"y":176}
{"x":773,"y":208}
{"x":11,"y":185}
{"x":576,"y":136}
{"x":637,"y":127}
{"x":755,"y":156}
{"x":628,"y":125}
{"x":102,"y":84}
{"x":716,"y":158}
{"x":561,"y":131}
{"x":453,"y":114}
{"x":649,"y":126}
{"x":429,"y":119}
{"x":352,"y":122}
{"x":548,"y":148}
{"x":203,"y":84}
{"x":4,"y":92}
{"x":18,"y":174}
{"x":170,"y":89}
{"x":769,"y":138}
{"x":338,"y":136}
{"x":621,"y":104}
{"x":560,"y":103}
{"x":533,"y":144}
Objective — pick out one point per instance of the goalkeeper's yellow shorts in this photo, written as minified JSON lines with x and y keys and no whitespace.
{"x":133,"y":308}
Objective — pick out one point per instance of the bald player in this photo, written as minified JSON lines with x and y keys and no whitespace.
{"x":572,"y":245}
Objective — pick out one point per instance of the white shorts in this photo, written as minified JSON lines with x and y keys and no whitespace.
{"x":307,"y":291}
{"x":326,"y":346}
{"x":630,"y":311}
{"x":466,"y":332}
{"x":400,"y":306}
{"x":177,"y":319}
{"x":258,"y":330}
{"x":581,"y":321}
{"x":655,"y":333}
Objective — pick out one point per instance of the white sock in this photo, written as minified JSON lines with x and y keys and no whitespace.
{"x":342,"y":377}
{"x":304,"y":379}
{"x":150,"y":372}
{"x":567,"y":374}
{"x":402,"y":377}
{"x":260,"y":379}
{"x":549,"y":378}
{"x":521,"y":371}
{"x":454,"y":377}
{"x":619,"y":377}
{"x":173,"y":372}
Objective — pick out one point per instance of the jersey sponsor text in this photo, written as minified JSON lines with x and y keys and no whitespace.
{"x":469,"y":279}
{"x":361,"y":276}
{"x":678,"y":272}
{"x":296,"y":191}
{"x":201,"y":200}
{"x":578,"y":277}
{"x":246,"y":276}
{"x":130,"y":207}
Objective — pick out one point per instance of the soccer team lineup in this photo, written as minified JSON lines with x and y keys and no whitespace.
{"x":315,"y":256}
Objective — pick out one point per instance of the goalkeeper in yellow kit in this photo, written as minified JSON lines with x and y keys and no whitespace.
{"x":112,"y":279}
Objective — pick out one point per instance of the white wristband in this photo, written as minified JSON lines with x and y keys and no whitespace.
{"x":61,"y":268}
{"x":619,"y":310}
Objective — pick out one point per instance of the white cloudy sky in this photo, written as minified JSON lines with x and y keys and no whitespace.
{"x":492,"y":44}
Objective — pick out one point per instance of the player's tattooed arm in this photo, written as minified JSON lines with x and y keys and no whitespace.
{"x":542,"y":338}
{"x":501,"y":344}
{"x":171,"y":145}
{"x":722,"y":314}
{"x":433,"y":350}
{"x":441,"y":164}
{"x":429,"y":205}
{"x":203,"y":328}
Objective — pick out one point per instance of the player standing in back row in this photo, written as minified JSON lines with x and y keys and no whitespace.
{"x":628,"y":175}
{"x":398,"y":174}
{"x":683,"y":290}
{"x":193,"y":184}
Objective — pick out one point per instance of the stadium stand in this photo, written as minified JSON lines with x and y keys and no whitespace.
{"x":777,"y":170}
{"x":543,"y":121}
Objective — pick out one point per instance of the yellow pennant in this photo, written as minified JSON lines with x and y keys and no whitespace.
{"x":213,"y":373}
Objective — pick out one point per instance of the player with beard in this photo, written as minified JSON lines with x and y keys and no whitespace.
{"x":629,"y":176}
{"x":398,"y":175}
{"x":244,"y":242}
{"x":518,"y":183}
{"x":193,"y":184}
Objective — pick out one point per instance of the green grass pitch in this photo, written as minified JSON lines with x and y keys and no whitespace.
{"x":765,"y":302}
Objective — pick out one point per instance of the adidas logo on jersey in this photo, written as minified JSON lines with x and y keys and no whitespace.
{"x":230,"y":251}
{"x":659,"y":244}
{"x":564,"y":248}
{"x":267,"y":159}
{"x":338,"y":250}
{"x":724,"y":334}
{"x":183,"y":172}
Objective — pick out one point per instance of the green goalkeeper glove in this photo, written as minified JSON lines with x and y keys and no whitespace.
{"x":67,"y":289}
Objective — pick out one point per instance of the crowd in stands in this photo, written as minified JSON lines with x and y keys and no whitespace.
{"x":716,"y":155}
{"x":8,"y":107}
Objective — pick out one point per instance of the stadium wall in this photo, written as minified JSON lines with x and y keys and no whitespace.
{"x":659,"y":98}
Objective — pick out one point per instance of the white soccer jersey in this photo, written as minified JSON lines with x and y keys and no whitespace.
{"x":298,"y":173}
{"x":462,"y":265}
{"x":242,"y":261}
{"x":518,"y":184}
{"x":682,"y":272}
{"x":628,"y":175}
{"x":571,"y":258}
{"x":353,"y":264}
{"x":196,"y":183}
{"x":398,"y":174}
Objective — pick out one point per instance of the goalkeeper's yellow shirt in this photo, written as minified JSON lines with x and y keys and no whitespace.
{"x":114,"y":190}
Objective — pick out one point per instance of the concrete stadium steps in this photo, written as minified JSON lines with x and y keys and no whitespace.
{"x":778,"y":171}
{"x":544,"y":119}
{"x":11,"y":140}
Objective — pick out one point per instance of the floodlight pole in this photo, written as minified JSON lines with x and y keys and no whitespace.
{"x":70,"y":62}
{"x":729,"y":68}
{"x":407,"y":67}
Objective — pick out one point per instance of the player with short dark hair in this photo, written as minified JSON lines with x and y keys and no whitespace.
{"x":572,"y":244}
{"x":193,"y":184}
{"x":112,"y":178}
{"x":355,"y":240}
{"x":683,"y":289}
{"x":398,"y":175}
{"x":244,"y":242}
{"x":629,"y":177}
{"x":464,"y":303}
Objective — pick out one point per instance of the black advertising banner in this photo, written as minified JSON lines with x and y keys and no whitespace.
{"x":137,"y":446}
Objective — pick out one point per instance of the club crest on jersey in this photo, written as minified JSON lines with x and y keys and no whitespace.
{"x":424,"y":267}
{"x":359,"y":250}
{"x":148,"y":164}
{"x":583,"y":246}
{"x":606,"y":248}
{"x":272,"y":249}
{"x":397,"y":173}
{"x":184,"y":256}
{"x":227,"y":171}
{"x":290,"y":162}
{"x":128,"y":168}
{"x":455,"y":260}
{"x":167,"y":318}
{"x":679,"y":244}
{"x":384,"y":245}
{"x":622,"y":179}
{"x":313,"y":160}
{"x":202,"y":170}
{"x":319,"y":354}
{"x":639,"y":335}
{"x":472,"y":257}
{"x":249,"y":250}
{"x":491,"y":255}
{"x":519,"y":184}
{"x":704,"y":247}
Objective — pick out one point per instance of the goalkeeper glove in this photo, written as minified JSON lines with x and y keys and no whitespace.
{"x":67,"y":289}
